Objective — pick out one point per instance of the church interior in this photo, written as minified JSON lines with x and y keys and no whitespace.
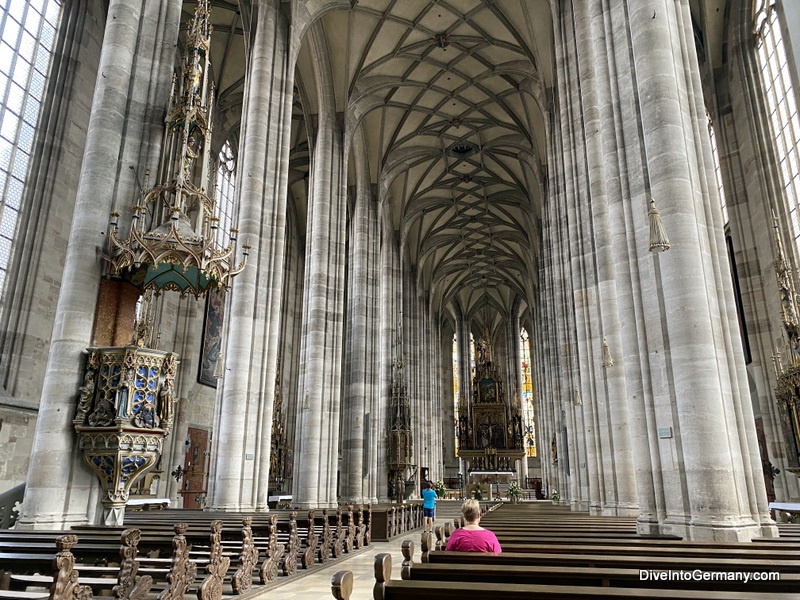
{"x":279,"y":257}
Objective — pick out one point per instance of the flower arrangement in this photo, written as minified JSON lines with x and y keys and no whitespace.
{"x":555,"y":496}
{"x":514,"y":491}
{"x":439,"y":488}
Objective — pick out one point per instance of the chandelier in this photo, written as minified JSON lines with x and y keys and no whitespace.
{"x":173,"y":242}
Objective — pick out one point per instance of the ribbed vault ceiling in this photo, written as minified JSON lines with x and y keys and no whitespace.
{"x":451,"y":98}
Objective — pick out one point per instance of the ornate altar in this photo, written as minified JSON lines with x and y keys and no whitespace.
{"x":490,"y":428}
{"x":125,"y":410}
{"x":787,"y":368}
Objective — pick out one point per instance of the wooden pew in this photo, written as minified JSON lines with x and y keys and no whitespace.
{"x":391,"y":589}
{"x":565,"y":575}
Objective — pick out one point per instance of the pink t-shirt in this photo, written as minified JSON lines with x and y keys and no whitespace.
{"x":473,"y":540}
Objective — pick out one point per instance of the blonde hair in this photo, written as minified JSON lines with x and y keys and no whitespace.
{"x":471,"y":510}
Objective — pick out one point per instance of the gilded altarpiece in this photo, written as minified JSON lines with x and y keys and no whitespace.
{"x":490,"y":429}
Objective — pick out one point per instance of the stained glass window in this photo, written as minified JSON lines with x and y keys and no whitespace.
{"x":528,"y":422}
{"x":27,"y":35}
{"x":471,"y":358}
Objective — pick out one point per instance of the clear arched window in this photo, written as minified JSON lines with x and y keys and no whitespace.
{"x":27,"y":35}
{"x":526,"y":385}
{"x":717,"y":170}
{"x":226,"y":186}
{"x":781,"y":102}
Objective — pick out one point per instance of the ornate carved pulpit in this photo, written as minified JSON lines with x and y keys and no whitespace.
{"x":125,"y":409}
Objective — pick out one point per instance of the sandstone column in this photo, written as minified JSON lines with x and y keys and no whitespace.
{"x":316,"y":449}
{"x":241,"y":470}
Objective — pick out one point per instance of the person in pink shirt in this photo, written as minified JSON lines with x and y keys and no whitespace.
{"x":472,"y":537}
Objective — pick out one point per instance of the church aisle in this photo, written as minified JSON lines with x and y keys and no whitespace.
{"x":317,"y":585}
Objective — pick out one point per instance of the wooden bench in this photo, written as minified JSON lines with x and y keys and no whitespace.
{"x":567,"y":575}
{"x":387,"y":588}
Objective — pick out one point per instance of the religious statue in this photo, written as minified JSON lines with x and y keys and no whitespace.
{"x":165,"y":400}
{"x":196,"y":77}
{"x":85,"y":395}
{"x":104,"y":414}
{"x":190,"y":154}
{"x":147,"y":417}
{"x":554,"y":450}
{"x":462,"y":432}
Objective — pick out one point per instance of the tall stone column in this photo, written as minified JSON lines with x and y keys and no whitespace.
{"x":620,"y":495}
{"x":241,"y":471}
{"x":449,"y":460}
{"x":359,"y":352}
{"x":713,"y":485}
{"x":578,"y":317}
{"x":317,"y":449}
{"x":621,"y":152}
{"x":389,"y":311}
{"x":128,"y":86}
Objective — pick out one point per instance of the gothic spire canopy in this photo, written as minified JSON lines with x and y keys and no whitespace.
{"x":174,"y":243}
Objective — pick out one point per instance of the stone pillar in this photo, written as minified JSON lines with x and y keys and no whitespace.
{"x":620,"y":496}
{"x":241,"y":471}
{"x":449,"y":460}
{"x":317,"y":449}
{"x":359,"y":354}
{"x":713,"y":483}
{"x":128,"y":86}
{"x":389,"y":311}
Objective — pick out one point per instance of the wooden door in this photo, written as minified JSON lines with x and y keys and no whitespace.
{"x":194,"y":465}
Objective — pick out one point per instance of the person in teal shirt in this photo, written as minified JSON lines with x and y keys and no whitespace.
{"x":428,"y":506}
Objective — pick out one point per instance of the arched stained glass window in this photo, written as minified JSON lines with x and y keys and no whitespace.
{"x":528,"y":420}
{"x":471,"y":358}
{"x":27,"y":35}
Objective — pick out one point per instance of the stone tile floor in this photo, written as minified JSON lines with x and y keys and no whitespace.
{"x":317,"y":585}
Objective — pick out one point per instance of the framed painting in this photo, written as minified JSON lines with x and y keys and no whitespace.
{"x":212,"y":337}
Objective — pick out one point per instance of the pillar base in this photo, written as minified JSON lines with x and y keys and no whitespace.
{"x":229,"y":508}
{"x":717,"y":530}
{"x":114,"y":515}
{"x":579,"y":506}
{"x":620,"y":510}
{"x":646,"y":525}
{"x":315,"y":505}
{"x":53,"y":522}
